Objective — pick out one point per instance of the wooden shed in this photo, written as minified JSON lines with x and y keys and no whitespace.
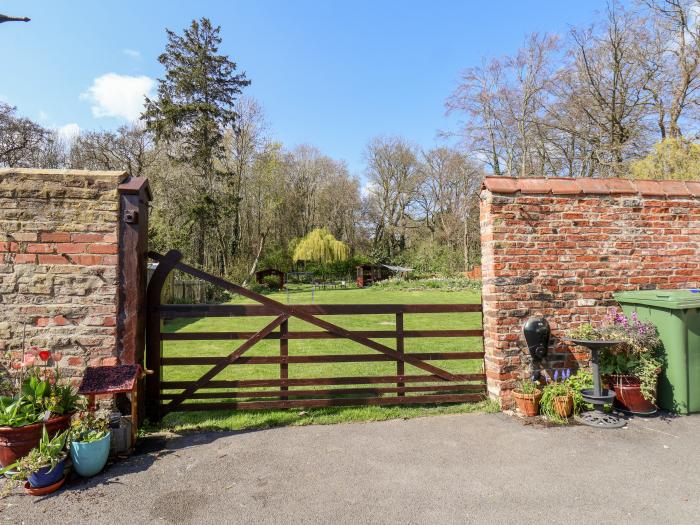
{"x":367,"y":274}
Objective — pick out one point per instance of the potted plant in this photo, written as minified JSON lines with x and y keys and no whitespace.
{"x":89,"y":445}
{"x":630,"y":368}
{"x":527,"y":397}
{"x":36,"y":400}
{"x":43,"y":467}
{"x":557,"y":401}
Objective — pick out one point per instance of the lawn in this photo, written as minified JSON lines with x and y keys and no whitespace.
{"x":266,"y":418}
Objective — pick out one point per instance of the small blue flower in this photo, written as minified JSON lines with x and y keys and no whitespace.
{"x":556,"y":375}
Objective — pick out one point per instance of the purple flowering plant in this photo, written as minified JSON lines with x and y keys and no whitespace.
{"x":638,"y":351}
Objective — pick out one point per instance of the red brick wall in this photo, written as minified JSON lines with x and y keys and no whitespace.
{"x":561,"y":247}
{"x":59,"y":265}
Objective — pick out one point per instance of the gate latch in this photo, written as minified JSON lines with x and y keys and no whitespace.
{"x":131,"y":216}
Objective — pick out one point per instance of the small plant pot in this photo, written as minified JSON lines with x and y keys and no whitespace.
{"x":528,"y":404}
{"x":564,"y":406}
{"x":45,"y":477}
{"x":43,"y":491}
{"x":91,"y":457}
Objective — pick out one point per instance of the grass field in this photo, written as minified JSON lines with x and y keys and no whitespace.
{"x":266,"y":418}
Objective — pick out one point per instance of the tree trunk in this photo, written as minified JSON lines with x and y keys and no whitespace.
{"x":254,"y":267}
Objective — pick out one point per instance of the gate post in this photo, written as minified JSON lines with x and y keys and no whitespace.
{"x":134,"y":196}
{"x":154,"y":343}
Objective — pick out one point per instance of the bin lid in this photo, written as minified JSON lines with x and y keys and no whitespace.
{"x":671,"y":299}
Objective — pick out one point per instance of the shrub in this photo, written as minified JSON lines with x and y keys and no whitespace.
{"x":271,"y":282}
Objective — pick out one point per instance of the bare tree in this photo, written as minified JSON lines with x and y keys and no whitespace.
{"x":20,"y":138}
{"x":130,"y":148}
{"x":673,"y":61}
{"x":394,"y":179}
{"x":448,"y":198}
{"x":611,"y":86}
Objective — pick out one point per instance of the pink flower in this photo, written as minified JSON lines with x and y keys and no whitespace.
{"x":28,"y":360}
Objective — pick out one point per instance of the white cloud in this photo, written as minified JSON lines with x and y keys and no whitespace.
{"x":68,"y":132}
{"x":119,"y":96}
{"x":132,"y":53}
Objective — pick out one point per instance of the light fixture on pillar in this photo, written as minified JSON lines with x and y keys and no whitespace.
{"x":5,"y":18}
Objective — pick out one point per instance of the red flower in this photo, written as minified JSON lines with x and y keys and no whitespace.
{"x":45,"y":355}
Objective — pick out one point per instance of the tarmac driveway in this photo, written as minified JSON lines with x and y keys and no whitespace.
{"x":472,"y":468}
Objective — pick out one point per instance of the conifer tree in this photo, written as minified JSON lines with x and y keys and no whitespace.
{"x":193,"y":110}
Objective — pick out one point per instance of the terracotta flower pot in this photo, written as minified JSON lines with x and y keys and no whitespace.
{"x":16,"y":442}
{"x":43,"y":491}
{"x":564,"y":405}
{"x":528,"y":404}
{"x":628,"y":395}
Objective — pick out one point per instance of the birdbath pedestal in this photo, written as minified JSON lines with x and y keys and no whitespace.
{"x":597,"y":396}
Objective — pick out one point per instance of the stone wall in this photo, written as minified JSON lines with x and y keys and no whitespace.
{"x":561,"y":247}
{"x":59,"y":265}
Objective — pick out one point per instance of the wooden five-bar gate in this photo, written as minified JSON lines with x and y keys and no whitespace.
{"x":434,"y":385}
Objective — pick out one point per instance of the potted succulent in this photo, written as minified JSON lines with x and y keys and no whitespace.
{"x":36,"y":400}
{"x":630,"y":368}
{"x":89,"y":445}
{"x":43,"y":467}
{"x":527,"y":396}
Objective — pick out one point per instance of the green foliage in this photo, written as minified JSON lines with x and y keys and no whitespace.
{"x":18,"y":412}
{"x":88,"y":427}
{"x":446,"y":284}
{"x":673,"y":158}
{"x":645,"y":367}
{"x":272,"y":282}
{"x":582,"y":379}
{"x":260,"y":419}
{"x":586,"y":332}
{"x":527,"y":387}
{"x":433,"y":258}
{"x":636,"y":355}
{"x":338,"y":269}
{"x":549,"y":394}
{"x":37,"y":397}
{"x":277,"y":257}
{"x":50,"y":452}
{"x":320,"y":245}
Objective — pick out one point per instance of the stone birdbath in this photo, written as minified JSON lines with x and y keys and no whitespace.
{"x":597,"y":396}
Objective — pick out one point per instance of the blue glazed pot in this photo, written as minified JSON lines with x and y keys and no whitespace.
{"x":43,"y":477}
{"x":89,"y":458}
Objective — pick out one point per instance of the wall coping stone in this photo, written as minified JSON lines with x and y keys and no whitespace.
{"x":592,"y":186}
{"x":97,"y":175}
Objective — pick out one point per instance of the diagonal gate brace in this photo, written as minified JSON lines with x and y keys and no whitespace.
{"x":225,"y":361}
{"x":291,"y":311}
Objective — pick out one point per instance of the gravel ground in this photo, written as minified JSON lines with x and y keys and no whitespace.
{"x":470,"y":468}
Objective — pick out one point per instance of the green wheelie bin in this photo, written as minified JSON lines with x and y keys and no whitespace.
{"x":676,"y":314}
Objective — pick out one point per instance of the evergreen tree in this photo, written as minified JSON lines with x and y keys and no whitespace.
{"x":192,"y":112}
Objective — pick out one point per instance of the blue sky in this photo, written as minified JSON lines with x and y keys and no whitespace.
{"x":329,"y":73}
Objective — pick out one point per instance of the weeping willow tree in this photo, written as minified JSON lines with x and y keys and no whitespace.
{"x":673,"y":158}
{"x":319,"y":245}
